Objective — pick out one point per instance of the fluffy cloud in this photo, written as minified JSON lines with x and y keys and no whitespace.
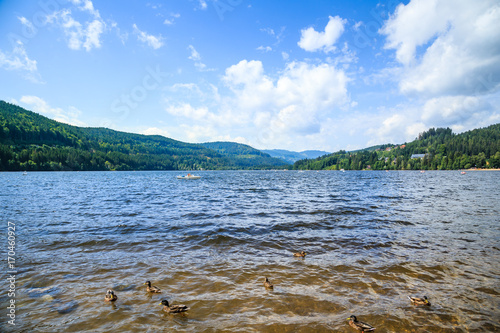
{"x":153,"y":41}
{"x":449,"y":56}
{"x":261,"y":110}
{"x":312,"y":40}
{"x":461,"y":46}
{"x":86,"y":34}
{"x":289,"y":105}
{"x":69,"y":116}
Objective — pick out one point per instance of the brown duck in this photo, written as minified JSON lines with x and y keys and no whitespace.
{"x":300,"y":254}
{"x":360,"y":326}
{"x":110,"y":296}
{"x":419,"y":301}
{"x":152,"y":289}
{"x":174,"y":308}
{"x":268,"y":284}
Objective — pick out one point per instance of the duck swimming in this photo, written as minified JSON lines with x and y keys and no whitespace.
{"x":174,"y":308}
{"x":268,"y":284}
{"x":110,"y":296}
{"x":419,"y":301}
{"x":360,"y":326}
{"x":152,"y":289}
{"x":300,"y":254}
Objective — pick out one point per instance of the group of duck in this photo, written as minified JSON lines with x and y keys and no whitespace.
{"x":177,"y":308}
{"x":174,"y":308}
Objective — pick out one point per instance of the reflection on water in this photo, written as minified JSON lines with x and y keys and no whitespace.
{"x":372,"y":239}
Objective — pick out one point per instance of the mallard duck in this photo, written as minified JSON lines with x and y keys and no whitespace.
{"x":300,"y":254}
{"x":360,"y":326}
{"x":152,"y":289}
{"x":110,"y":296}
{"x":268,"y":284}
{"x":174,"y":308}
{"x":419,"y":301}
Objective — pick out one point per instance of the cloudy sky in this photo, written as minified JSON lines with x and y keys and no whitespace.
{"x":297,"y":75}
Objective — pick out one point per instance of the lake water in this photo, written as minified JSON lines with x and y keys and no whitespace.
{"x":372,"y":238}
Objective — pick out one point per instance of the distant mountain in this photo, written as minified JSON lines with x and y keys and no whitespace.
{"x":244,"y":154}
{"x":292,"y":156}
{"x":29,"y":141}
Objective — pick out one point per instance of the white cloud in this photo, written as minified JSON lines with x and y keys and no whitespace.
{"x":86,"y":5}
{"x":69,"y":116}
{"x":405,"y":121}
{"x":196,"y":57}
{"x":156,"y":131}
{"x":460,"y":46}
{"x":190,"y":112}
{"x":171,"y":20}
{"x":153,"y":41}
{"x":449,"y":63}
{"x":27,"y":23}
{"x":259,"y":109}
{"x":203,"y":4}
{"x":289,"y":106}
{"x":311,"y":40}
{"x":18,"y":60}
{"x":87,"y":34}
{"x":265,"y":48}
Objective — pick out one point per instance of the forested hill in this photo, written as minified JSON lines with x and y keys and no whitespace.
{"x":243,"y":154}
{"x":435,"y":149}
{"x":29,"y":141}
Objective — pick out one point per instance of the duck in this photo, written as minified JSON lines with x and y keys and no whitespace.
{"x":300,"y":254}
{"x":419,"y":301}
{"x":360,"y":326}
{"x":174,"y":308}
{"x":110,"y":296}
{"x":152,"y":289}
{"x":268,"y":284}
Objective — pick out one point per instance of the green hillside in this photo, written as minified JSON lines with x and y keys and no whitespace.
{"x":29,"y":141}
{"x":435,"y":149}
{"x":244,"y":155}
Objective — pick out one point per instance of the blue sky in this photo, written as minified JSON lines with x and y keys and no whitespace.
{"x":295,"y":75}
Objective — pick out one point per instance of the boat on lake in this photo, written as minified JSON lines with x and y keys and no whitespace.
{"x":189,"y":176}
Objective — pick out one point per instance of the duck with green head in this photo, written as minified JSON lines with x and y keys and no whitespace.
{"x":360,"y":326}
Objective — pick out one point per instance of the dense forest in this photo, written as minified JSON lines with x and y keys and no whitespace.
{"x":435,"y":149}
{"x":31,"y":142}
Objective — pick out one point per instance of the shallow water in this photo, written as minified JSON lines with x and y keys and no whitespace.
{"x":372,"y":238}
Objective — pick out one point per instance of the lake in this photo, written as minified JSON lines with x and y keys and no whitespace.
{"x":372,"y":238}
